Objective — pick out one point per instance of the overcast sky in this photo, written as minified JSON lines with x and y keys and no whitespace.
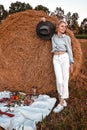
{"x":74,"y":6}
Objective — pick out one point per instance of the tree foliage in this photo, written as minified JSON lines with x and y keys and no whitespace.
{"x":83,"y":27}
{"x":18,"y":6}
{"x":70,"y":19}
{"x":3,"y":13}
{"x":43,"y":8}
{"x":59,"y":13}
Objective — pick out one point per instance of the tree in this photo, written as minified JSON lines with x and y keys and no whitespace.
{"x":27,"y":6}
{"x":70,"y":19}
{"x":73,"y":23}
{"x":75,"y":27}
{"x":3,"y":13}
{"x":75,"y":16}
{"x":18,"y":6}
{"x":83,"y":27}
{"x":43,"y":8}
{"x":59,"y":13}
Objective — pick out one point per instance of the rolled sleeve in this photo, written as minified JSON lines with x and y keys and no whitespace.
{"x":54,"y":46}
{"x":69,"y":50}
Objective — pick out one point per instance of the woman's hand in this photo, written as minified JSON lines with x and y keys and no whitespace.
{"x":43,"y":19}
{"x":71,"y":68}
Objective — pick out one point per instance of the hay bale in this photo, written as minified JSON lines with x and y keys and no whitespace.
{"x":25,"y":59}
{"x":2,"y":128}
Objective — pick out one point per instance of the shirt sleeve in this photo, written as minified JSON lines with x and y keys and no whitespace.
{"x":54,"y":46}
{"x":69,"y":50}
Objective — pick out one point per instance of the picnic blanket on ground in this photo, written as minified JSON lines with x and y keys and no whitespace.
{"x":26,"y":117}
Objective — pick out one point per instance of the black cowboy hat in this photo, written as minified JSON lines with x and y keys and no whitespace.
{"x":45,"y":30}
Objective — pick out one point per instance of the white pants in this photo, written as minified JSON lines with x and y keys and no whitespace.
{"x":61,"y":69}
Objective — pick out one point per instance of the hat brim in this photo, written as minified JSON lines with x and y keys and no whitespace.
{"x":45,"y":30}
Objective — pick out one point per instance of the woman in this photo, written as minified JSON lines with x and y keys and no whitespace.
{"x":62,"y":62}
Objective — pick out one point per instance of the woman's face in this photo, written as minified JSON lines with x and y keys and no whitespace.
{"x":61,"y":28}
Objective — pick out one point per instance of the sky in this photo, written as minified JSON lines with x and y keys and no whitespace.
{"x":74,"y":6}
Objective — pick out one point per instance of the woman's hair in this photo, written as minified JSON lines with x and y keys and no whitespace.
{"x":59,"y":22}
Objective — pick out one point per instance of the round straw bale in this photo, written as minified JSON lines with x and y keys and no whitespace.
{"x":25,"y":59}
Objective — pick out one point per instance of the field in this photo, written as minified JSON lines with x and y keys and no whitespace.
{"x":17,"y":52}
{"x":74,"y":117}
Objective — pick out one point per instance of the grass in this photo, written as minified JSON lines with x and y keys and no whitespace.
{"x":72,"y":117}
{"x":81,"y":36}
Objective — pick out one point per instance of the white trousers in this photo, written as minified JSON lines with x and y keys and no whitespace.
{"x":61,"y":69}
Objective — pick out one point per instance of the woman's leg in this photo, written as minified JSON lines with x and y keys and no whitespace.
{"x":65,"y":72}
{"x":61,"y":69}
{"x":58,"y":74}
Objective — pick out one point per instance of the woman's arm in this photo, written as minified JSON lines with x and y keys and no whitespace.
{"x":69,"y":50}
{"x":71,"y":68}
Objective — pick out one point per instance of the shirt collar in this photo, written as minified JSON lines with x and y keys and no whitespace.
{"x":63,"y":35}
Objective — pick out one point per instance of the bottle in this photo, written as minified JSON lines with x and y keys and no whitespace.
{"x":34,"y":93}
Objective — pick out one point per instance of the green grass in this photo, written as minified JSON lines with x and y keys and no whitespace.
{"x":81,"y":36}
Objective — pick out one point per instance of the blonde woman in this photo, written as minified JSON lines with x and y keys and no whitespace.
{"x":62,"y":62}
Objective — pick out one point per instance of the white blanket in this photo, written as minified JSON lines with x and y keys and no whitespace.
{"x":26,"y":117}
